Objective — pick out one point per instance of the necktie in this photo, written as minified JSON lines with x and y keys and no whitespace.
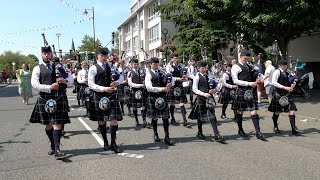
{"x":49,"y":67}
{"x":104,"y":66}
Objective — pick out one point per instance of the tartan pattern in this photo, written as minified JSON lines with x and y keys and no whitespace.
{"x":81,"y":94}
{"x":152,"y":111}
{"x":122,"y":96}
{"x":201,"y":112}
{"x":241,"y":104}
{"x":96,"y":114}
{"x":138,"y":103}
{"x":172,"y":99}
{"x":225,"y":97}
{"x":39,"y":115}
{"x":276,"y":107}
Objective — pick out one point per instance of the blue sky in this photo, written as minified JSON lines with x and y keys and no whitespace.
{"x":21,"y":16}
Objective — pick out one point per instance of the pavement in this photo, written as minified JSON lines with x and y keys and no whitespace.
{"x":24,"y":146}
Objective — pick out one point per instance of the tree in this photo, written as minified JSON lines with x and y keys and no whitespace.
{"x":8,"y":57}
{"x":193,"y":32}
{"x":34,"y":57}
{"x":88,"y":44}
{"x":261,"y":22}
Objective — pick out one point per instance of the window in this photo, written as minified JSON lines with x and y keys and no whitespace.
{"x":128,"y":29}
{"x":141,"y":14}
{"x":134,"y":8}
{"x":141,"y":44}
{"x":135,"y":42}
{"x":141,"y":24}
{"x":128,"y":45}
{"x":134,"y":25}
{"x":153,"y":13}
{"x":154,"y":34}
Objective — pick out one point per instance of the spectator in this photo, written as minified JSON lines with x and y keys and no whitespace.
{"x":4,"y":76}
{"x":24,"y":82}
{"x":268,"y":79}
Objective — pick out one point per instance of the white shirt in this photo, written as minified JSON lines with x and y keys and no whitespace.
{"x":275,"y":77}
{"x":82,"y":76}
{"x":225,"y":78}
{"x":43,"y":87}
{"x":91,"y":78}
{"x":192,"y":72}
{"x":270,"y":69}
{"x":236,"y":69}
{"x":148,"y":83}
{"x":195,"y":85}
{"x":131,"y":84}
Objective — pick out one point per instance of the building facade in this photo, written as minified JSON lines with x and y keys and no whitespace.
{"x":144,"y":31}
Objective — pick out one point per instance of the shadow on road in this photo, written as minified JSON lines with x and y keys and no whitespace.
{"x":314,"y":98}
{"x":11,"y":91}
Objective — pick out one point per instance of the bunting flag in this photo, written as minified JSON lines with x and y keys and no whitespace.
{"x":64,"y":2}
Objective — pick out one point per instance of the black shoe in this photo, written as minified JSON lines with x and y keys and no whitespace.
{"x":223,"y":117}
{"x":59,"y":155}
{"x":219,"y":139}
{"x":106,"y":146}
{"x":63,"y":133}
{"x":186,"y":124}
{"x":78,"y":102}
{"x":261,"y":137}
{"x":276,"y":130}
{"x":201,"y":136}
{"x":156,"y":138}
{"x":242,"y":133}
{"x":174,"y":122}
{"x":115,"y":148}
{"x":137,"y":123}
{"x":296,"y":132}
{"x":144,"y":124}
{"x":73,"y":91}
{"x":168,"y":141}
{"x":51,"y":152}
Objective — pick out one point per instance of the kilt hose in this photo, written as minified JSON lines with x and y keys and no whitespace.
{"x":201,"y":112}
{"x":225,"y":96}
{"x":152,"y":111}
{"x":276,"y":107}
{"x":60,"y":117}
{"x":113,"y":113}
{"x":137,"y":103}
{"x":122,"y":95}
{"x":172,"y":99}
{"x":240,"y":104}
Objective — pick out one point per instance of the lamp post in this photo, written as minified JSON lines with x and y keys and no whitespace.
{"x":58,"y":35}
{"x":94,"y":31}
{"x":165,"y":33}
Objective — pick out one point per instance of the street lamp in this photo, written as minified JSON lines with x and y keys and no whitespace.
{"x":58,"y":35}
{"x":165,"y":33}
{"x":94,"y":31}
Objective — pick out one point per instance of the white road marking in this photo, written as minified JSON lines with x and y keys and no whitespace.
{"x":71,"y":99}
{"x":100,"y":141}
{"x":305,"y":116}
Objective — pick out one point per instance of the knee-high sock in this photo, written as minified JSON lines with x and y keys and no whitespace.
{"x":199,"y":127}
{"x":275,"y":120}
{"x":113,"y":130}
{"x":56,"y":139}
{"x":191,"y":98}
{"x":155,"y":125}
{"x":166,"y":126}
{"x":214,"y":127}
{"x":239,"y":121}
{"x":224,"y":107}
{"x":292,"y":119}
{"x":183,"y":112}
{"x":50,"y":136}
{"x":255,"y":120}
{"x":135,"y":113}
{"x":103,"y":131}
{"x":121,"y":106}
{"x":172,"y":111}
{"x":144,"y":114}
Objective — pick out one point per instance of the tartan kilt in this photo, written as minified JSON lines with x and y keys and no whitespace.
{"x":152,"y":111}
{"x":225,"y":97}
{"x":81,"y":93}
{"x":122,"y":96}
{"x":276,"y":107}
{"x":96,"y":114}
{"x":137,"y":103}
{"x":201,"y":112}
{"x":172,"y":99}
{"x":241,"y":104}
{"x":39,"y":115}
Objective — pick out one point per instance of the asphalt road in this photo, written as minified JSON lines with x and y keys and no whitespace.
{"x":24,"y":146}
